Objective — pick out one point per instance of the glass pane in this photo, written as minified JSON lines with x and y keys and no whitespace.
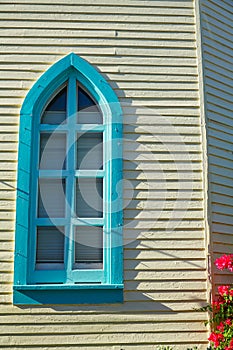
{"x":89,"y":198}
{"x":84,"y":100}
{"x":51,"y":199}
{"x":52,"y":151}
{"x":89,"y":247}
{"x":52,"y":117}
{"x":55,"y":112}
{"x":90,"y":151}
{"x":88,"y":111}
{"x":50,"y":245}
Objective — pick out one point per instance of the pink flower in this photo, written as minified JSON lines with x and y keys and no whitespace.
{"x":213,"y":337}
{"x":225,"y":262}
{"x":216,"y":305}
{"x":228,"y":321}
{"x":220,"y":336}
{"x":230,"y":347}
{"x":216,"y":338}
{"x":231,"y":292}
{"x":220,"y":327}
{"x":223,"y":290}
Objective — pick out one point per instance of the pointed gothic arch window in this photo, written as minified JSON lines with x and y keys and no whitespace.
{"x":69,"y":211}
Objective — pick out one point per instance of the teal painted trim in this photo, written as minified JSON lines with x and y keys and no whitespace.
{"x":73,"y":295}
{"x":71,"y":181}
{"x":87,"y":276}
{"x":51,"y":222}
{"x":68,"y":286}
{"x":23,"y":200}
{"x":90,"y":127}
{"x":89,"y":173}
{"x":116,"y":204}
{"x":88,"y":221}
{"x":76,"y":173}
{"x":53,"y":173}
{"x":32,"y":107}
{"x":57,"y":74}
{"x":48,"y":276}
{"x":51,"y":127}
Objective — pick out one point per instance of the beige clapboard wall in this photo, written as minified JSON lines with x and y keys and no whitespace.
{"x":147,"y":52}
{"x":217,"y":38}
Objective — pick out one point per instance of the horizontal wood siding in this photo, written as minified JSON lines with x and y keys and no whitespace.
{"x":217,"y":31}
{"x":147,"y":52}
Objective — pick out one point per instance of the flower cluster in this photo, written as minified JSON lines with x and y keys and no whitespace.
{"x":222,"y":311}
{"x":225,"y":262}
{"x":222,"y":336}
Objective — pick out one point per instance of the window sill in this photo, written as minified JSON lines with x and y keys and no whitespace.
{"x":52,"y":294}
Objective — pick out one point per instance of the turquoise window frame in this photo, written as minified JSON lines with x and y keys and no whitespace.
{"x":25,"y":288}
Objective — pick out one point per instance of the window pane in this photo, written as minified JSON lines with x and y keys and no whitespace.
{"x":55,"y":112}
{"x":90,"y":115}
{"x":89,"y":198}
{"x":50,"y":245}
{"x":88,"y":111}
{"x":84,"y":100}
{"x":90,"y":151}
{"x":89,"y":247}
{"x":51,"y":199}
{"x":52,"y":117}
{"x":52,"y":151}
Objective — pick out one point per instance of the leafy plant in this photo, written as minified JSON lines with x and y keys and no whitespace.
{"x":222,"y":310}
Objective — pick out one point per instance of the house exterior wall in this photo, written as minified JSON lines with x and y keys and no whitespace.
{"x":217,"y":43}
{"x":147,"y":52}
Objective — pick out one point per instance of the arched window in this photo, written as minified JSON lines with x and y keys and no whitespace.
{"x":69,"y":202}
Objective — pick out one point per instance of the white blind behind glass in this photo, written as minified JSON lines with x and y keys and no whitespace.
{"x":51,"y":199}
{"x":52,"y":151}
{"x":89,"y":245}
{"x":90,"y":151}
{"x":89,"y":197}
{"x":50,"y":245}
